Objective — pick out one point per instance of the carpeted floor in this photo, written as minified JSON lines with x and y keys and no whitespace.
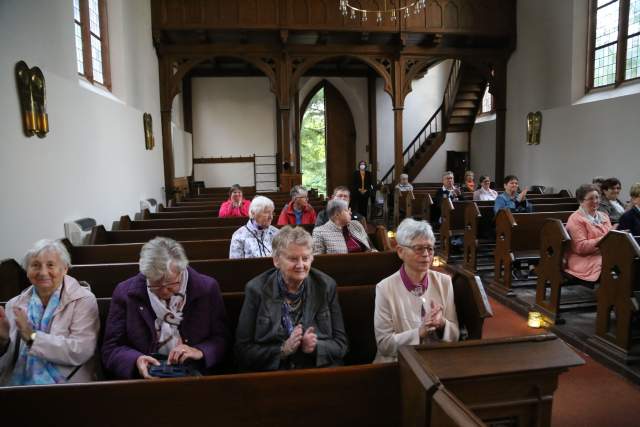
{"x":589,"y":395}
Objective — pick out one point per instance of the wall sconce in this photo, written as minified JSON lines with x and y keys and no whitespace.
{"x":391,"y":234}
{"x":534,"y":125}
{"x":438,"y":261}
{"x":32,"y":94}
{"x":534,"y":320}
{"x":149,"y":140}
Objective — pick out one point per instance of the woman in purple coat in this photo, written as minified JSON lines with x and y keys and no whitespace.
{"x":168,"y":309}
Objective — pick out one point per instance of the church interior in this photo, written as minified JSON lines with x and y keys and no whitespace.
{"x":134,"y":118}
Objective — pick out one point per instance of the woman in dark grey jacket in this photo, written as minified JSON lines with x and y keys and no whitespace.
{"x":290,"y":317}
{"x":609,"y":202}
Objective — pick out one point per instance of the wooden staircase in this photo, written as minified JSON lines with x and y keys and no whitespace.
{"x":457,"y":113}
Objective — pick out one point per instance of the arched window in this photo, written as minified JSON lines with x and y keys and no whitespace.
{"x":92,"y":41}
{"x":488,"y":106}
{"x":614,"y":42}
{"x":313,"y":148}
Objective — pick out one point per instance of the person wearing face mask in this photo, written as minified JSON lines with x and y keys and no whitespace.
{"x":362,"y":188}
{"x":48,"y":333}
{"x":168,"y":312}
{"x":609,"y":202}
{"x":290,"y":317}
{"x":510,"y":199}
{"x":236,"y":206}
{"x":341,"y":234}
{"x":254,"y":239}
{"x":586,"y":226}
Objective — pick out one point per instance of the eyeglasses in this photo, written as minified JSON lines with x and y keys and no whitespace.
{"x":420,"y":249}
{"x":176,"y":283}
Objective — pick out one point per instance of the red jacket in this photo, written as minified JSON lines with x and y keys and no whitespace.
{"x":287,"y":216}
{"x":226,"y":209}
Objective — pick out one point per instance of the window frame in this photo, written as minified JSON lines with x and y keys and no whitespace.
{"x":621,"y":55}
{"x":493,"y":103}
{"x":87,"y":60}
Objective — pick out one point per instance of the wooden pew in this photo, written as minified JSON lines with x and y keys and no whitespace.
{"x":145,"y":214}
{"x":100,"y":236}
{"x":619,"y":298}
{"x":517,"y":239}
{"x":507,"y":381}
{"x":130,"y":252}
{"x":281,"y":398}
{"x":125,"y":223}
{"x":162,"y":208}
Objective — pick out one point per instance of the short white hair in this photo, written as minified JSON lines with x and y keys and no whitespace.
{"x":335,"y":206}
{"x":47,"y":245}
{"x":404,"y":175}
{"x":447,"y":173}
{"x":259,"y":204}
{"x":289,"y":235}
{"x":298,"y":191}
{"x":410,"y":229}
{"x":161,"y":255}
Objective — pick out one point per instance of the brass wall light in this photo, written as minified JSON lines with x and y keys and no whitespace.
{"x":534,"y":125}
{"x":149,"y":141}
{"x":32,"y":94}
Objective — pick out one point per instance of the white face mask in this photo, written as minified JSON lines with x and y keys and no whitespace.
{"x":362,"y":167}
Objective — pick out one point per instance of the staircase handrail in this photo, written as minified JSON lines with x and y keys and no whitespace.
{"x":446,"y":107}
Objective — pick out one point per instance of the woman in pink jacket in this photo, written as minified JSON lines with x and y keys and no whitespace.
{"x":236,"y":205}
{"x":586,"y":226}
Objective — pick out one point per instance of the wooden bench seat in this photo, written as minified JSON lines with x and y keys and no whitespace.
{"x":518,"y":233}
{"x":126,"y":223}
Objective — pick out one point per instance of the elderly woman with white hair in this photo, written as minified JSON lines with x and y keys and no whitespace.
{"x":254,"y":239}
{"x":341,"y":234}
{"x":167,"y":312}
{"x":290,"y":317}
{"x":48,"y":333}
{"x":414,"y":305}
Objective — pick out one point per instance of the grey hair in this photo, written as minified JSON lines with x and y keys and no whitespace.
{"x":410,"y":229}
{"x":404,"y":175}
{"x":447,"y":173}
{"x":258,"y":204}
{"x":335,"y":206}
{"x":47,"y":245}
{"x":290,"y":236}
{"x":297,"y":191}
{"x":159,"y":255}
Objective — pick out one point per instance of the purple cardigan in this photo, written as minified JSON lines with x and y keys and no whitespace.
{"x":130,"y":330}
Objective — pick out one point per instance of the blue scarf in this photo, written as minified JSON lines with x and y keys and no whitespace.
{"x":33,"y":370}
{"x":296,"y":299}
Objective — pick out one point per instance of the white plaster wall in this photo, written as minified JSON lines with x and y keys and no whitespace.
{"x":483,"y":149}
{"x":578,"y":140}
{"x":232,"y":117}
{"x":93,"y":162}
{"x":354,"y":91}
{"x":432,"y":172}
{"x":420,"y":104}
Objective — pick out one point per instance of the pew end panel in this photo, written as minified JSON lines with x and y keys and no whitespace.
{"x":417,"y":387}
{"x":471,"y":301}
{"x":517,"y":391}
{"x":554,"y":240}
{"x":502,"y":257}
{"x":99,"y":235}
{"x":618,"y":297}
{"x":448,"y":411}
{"x":470,"y":249}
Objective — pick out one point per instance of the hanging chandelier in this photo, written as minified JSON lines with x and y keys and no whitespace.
{"x":388,"y":10}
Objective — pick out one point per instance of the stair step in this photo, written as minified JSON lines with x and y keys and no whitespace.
{"x":470,"y":87}
{"x":459,"y":128}
{"x":463,"y":113}
{"x":461,"y":120}
{"x":467,"y":96}
{"x":464,"y":104}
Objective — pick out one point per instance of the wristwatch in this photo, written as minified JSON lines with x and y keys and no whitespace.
{"x":32,"y":338}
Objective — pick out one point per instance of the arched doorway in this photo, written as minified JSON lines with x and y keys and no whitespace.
{"x":327,"y":137}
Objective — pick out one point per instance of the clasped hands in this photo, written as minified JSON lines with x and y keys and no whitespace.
{"x":178,"y":355}
{"x":433,"y":321}
{"x":307,"y":340}
{"x":522,"y":195}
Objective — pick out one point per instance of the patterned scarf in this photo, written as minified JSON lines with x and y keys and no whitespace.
{"x":169,"y":316}
{"x":30,"y":369}
{"x":416,"y":290}
{"x":292,"y":305}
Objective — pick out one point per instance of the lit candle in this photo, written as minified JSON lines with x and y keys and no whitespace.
{"x":535,"y":319}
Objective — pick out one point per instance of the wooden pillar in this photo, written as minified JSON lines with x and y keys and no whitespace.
{"x":373,"y":135}
{"x":167,"y":154}
{"x":296,"y":132}
{"x":499,"y":91}
{"x":397,"y":143}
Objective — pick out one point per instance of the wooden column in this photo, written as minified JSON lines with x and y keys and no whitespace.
{"x":499,"y":91}
{"x":373,"y":135}
{"x":296,"y":132}
{"x":164,"y":67}
{"x":397,"y":143}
